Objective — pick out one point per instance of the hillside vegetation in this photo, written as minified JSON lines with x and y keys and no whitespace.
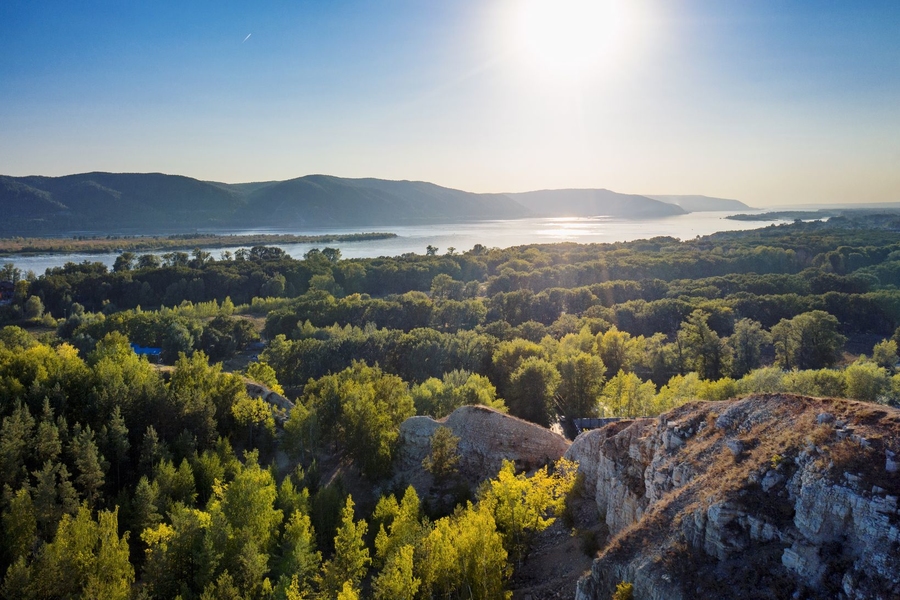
{"x":171,"y":479}
{"x":152,"y":202}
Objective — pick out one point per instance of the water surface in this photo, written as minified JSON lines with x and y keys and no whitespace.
{"x":461,"y":236}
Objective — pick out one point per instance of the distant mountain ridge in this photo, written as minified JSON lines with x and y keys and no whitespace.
{"x":594,"y":203}
{"x":103,"y":203}
{"x":702,"y":203}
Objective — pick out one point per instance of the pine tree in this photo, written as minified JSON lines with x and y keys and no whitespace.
{"x":16,"y":440}
{"x":117,"y":441}
{"x":348,"y":591}
{"x":396,"y":581}
{"x":145,"y":510}
{"x":152,"y":452}
{"x":53,"y":497}
{"x":222,"y":589}
{"x":87,"y":559}
{"x":351,"y":557}
{"x":403,"y":525}
{"x":89,"y":463}
{"x":300,"y":561}
{"x":19,"y":525}
{"x":47,"y":443}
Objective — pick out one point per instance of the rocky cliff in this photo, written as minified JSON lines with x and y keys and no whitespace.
{"x":771,"y":496}
{"x":486,"y":439}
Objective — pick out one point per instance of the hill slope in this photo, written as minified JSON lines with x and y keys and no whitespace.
{"x":103,"y":203}
{"x":702,"y":203}
{"x":772,"y":496}
{"x":592,"y":203}
{"x":108,"y":202}
{"x":324,"y":200}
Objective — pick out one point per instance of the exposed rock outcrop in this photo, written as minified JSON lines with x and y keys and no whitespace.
{"x":486,"y":439}
{"x":772,"y":496}
{"x":258,"y":390}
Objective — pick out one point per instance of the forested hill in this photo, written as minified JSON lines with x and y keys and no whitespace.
{"x":702,"y":203}
{"x":158,"y":203}
{"x":592,"y":203}
{"x":325,"y":200}
{"x":113,"y":202}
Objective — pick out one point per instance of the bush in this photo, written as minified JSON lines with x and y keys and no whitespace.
{"x":624,"y":591}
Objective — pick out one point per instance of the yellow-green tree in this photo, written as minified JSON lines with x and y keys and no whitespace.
{"x":87,"y":559}
{"x":364,"y":407}
{"x":264,"y":374}
{"x":300,"y":560}
{"x":397,"y":581}
{"x":615,"y":349}
{"x":399,"y":524}
{"x":625,"y":395}
{"x":351,"y":557}
{"x":523,"y":506}
{"x":463,"y":557}
{"x":245,"y":522}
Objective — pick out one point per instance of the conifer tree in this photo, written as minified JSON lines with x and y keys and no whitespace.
{"x":145,"y":510}
{"x":300,"y":561}
{"x":117,"y":441}
{"x":47,"y":444}
{"x":351,"y":557}
{"x":396,"y":581}
{"x":89,"y":464}
{"x":152,"y":451}
{"x":19,"y":525}
{"x":16,"y":440}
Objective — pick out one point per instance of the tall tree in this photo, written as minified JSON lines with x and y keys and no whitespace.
{"x":706,"y":352}
{"x":89,"y":465}
{"x":397,"y":580}
{"x":351,"y":557}
{"x":747,"y":343}
{"x":532,"y":388}
{"x":47,"y":444}
{"x":808,"y":341}
{"x":117,"y":442}
{"x":16,"y":440}
{"x":87,"y":559}
{"x":581,"y":382}
{"x":300,"y":560}
{"x":19,"y":525}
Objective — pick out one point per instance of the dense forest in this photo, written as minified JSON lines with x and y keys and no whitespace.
{"x":126,"y":478}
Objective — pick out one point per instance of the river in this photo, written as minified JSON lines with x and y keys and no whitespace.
{"x":461,"y":236}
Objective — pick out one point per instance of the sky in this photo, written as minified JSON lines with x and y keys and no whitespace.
{"x":771,"y":102}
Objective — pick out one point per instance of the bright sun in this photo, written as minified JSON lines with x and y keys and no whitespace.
{"x":572,"y":38}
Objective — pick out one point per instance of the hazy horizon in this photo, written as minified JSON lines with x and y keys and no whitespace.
{"x":772,"y":104}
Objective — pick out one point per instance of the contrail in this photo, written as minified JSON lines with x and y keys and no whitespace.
{"x":247,"y":38}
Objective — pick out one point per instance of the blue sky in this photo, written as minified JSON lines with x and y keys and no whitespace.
{"x":769,"y":102}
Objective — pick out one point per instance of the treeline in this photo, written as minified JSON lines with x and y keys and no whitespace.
{"x":114,"y":243}
{"x":839,"y":260}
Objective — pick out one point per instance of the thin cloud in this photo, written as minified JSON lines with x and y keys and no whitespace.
{"x":247,"y":38}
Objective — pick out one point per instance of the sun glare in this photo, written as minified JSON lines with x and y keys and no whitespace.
{"x":572,"y":38}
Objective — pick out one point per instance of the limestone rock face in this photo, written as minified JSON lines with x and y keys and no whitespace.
{"x":486,"y":439}
{"x":755,"y":498}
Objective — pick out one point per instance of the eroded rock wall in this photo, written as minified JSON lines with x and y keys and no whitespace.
{"x":486,"y":439}
{"x":764,"y":497}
